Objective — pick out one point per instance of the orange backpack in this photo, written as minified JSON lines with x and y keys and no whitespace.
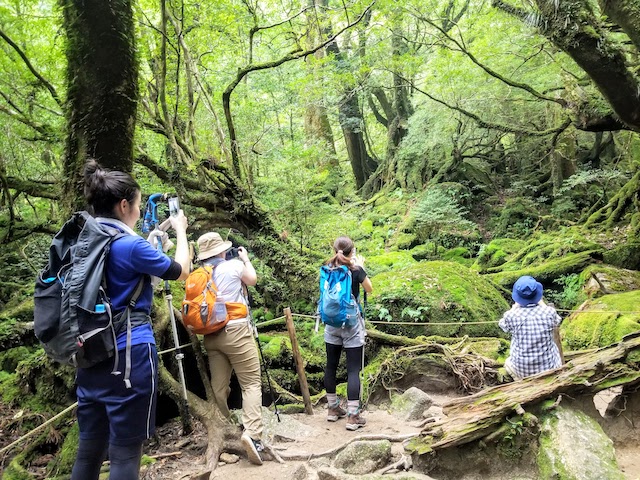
{"x":202,"y":310}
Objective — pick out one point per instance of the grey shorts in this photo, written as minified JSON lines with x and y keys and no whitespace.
{"x":347,"y":337}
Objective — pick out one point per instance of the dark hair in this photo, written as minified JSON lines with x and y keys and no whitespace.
{"x":343,"y":246}
{"x":104,"y":188}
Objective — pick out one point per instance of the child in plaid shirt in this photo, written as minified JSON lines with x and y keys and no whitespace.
{"x":533,"y":326}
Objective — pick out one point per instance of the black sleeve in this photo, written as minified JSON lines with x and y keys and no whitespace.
{"x":360,"y":275}
{"x":173,"y":272}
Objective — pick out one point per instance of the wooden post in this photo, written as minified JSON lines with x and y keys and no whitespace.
{"x":297,"y":358}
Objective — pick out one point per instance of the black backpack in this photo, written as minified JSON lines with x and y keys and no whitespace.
{"x":72,"y":315}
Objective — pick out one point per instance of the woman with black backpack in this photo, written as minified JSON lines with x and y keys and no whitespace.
{"x":116,"y":412}
{"x":348,"y":337}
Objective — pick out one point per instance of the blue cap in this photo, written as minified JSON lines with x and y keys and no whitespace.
{"x":100,"y":308}
{"x":527,"y":291}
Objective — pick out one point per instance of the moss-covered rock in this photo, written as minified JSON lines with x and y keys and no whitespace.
{"x":388,"y":261}
{"x":603,"y":321}
{"x":602,"y":279}
{"x":574,"y":447}
{"x":548,"y":271}
{"x":497,"y":252}
{"x":437,"y":292}
{"x":626,"y":255}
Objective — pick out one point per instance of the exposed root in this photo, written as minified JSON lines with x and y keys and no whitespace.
{"x":333,"y":451}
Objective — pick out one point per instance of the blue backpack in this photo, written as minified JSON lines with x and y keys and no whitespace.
{"x":337,"y":305}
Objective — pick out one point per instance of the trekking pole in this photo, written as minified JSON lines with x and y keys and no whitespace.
{"x":364,"y":316}
{"x":151,"y":220}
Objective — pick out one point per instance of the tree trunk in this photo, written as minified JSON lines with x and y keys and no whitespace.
{"x":477,"y":416}
{"x":352,"y":124}
{"x":102,"y":88}
{"x":316,"y":121}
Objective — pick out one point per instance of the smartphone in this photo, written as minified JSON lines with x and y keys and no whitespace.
{"x":174,"y":206}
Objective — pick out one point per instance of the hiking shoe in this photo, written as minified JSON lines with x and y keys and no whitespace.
{"x":355,"y":421}
{"x":335,"y":412}
{"x":253,"y":448}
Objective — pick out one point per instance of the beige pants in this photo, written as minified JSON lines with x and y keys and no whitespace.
{"x":234,"y":349}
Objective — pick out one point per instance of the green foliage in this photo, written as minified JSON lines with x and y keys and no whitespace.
{"x":571,"y":294}
{"x":437,"y":215}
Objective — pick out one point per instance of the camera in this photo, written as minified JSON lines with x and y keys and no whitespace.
{"x":231,"y":253}
{"x":174,"y":206}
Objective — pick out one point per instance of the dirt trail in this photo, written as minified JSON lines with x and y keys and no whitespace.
{"x":312,"y":434}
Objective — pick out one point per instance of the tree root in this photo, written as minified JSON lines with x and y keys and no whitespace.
{"x":333,"y":451}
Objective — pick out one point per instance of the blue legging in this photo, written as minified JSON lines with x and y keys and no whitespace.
{"x":354,"y":365}
{"x":124,"y":460}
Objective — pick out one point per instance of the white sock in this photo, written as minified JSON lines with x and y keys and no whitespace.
{"x":332,"y":399}
{"x":353,"y":406}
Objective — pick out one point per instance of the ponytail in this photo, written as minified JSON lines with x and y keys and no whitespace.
{"x":104,"y":188}
{"x":343,"y":246}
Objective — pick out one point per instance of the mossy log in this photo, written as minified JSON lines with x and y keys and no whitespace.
{"x":550,"y":270}
{"x":478,"y":416}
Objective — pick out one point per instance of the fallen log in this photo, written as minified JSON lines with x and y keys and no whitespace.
{"x":479,"y":415}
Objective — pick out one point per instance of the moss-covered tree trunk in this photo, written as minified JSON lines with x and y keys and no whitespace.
{"x":102,"y":88}
{"x":478,"y":416}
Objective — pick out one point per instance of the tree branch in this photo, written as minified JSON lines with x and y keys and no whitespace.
{"x":490,"y":125}
{"x":31,"y":68}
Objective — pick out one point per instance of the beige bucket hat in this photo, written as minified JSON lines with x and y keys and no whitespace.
{"x":211,"y":244}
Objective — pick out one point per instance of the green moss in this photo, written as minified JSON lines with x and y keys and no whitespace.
{"x":626,"y":255}
{"x":290,"y":408}
{"x":602,"y":322}
{"x":147,"y":460}
{"x":547,"y":271}
{"x":497,"y":252}
{"x":9,"y":360}
{"x":442,"y":292}
{"x":388,"y":261}
{"x":616,"y":280}
{"x":63,"y":462}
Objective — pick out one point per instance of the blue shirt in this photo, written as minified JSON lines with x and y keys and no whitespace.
{"x":130,"y":258}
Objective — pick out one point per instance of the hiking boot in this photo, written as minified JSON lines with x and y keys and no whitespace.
{"x":355,"y":421}
{"x":253,"y":448}
{"x":335,"y":412}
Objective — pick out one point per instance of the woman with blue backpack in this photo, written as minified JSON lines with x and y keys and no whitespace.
{"x":116,"y":409}
{"x":340,"y":280}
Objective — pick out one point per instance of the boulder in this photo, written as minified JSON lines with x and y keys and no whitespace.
{"x":411,"y":404}
{"x":574,"y":447}
{"x":362,"y":457}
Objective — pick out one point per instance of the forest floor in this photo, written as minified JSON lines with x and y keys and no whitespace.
{"x":312,"y":433}
{"x":181,"y":457}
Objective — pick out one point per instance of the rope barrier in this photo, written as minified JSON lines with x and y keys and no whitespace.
{"x":71,"y":407}
{"x":38,"y":428}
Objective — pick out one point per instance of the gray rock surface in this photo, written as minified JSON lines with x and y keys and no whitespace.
{"x":574,"y":447}
{"x":363,"y":457}
{"x":411,"y":404}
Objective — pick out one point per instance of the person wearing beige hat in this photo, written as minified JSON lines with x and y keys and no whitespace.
{"x":233,"y":348}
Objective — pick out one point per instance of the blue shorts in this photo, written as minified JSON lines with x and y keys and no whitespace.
{"x":106,"y":408}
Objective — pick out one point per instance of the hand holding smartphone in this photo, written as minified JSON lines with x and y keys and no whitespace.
{"x":174,"y":206}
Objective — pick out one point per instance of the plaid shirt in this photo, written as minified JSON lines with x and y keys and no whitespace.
{"x":533,"y":349}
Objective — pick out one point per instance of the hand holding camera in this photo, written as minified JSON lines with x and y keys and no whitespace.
{"x":243,"y":254}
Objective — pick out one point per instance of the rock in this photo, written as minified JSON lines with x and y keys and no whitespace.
{"x":229,"y":457}
{"x":363,"y":457}
{"x":411,"y":404}
{"x":304,"y":472}
{"x":434,"y":411}
{"x":329,"y":473}
{"x":574,"y":447}
{"x":288,"y":429}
